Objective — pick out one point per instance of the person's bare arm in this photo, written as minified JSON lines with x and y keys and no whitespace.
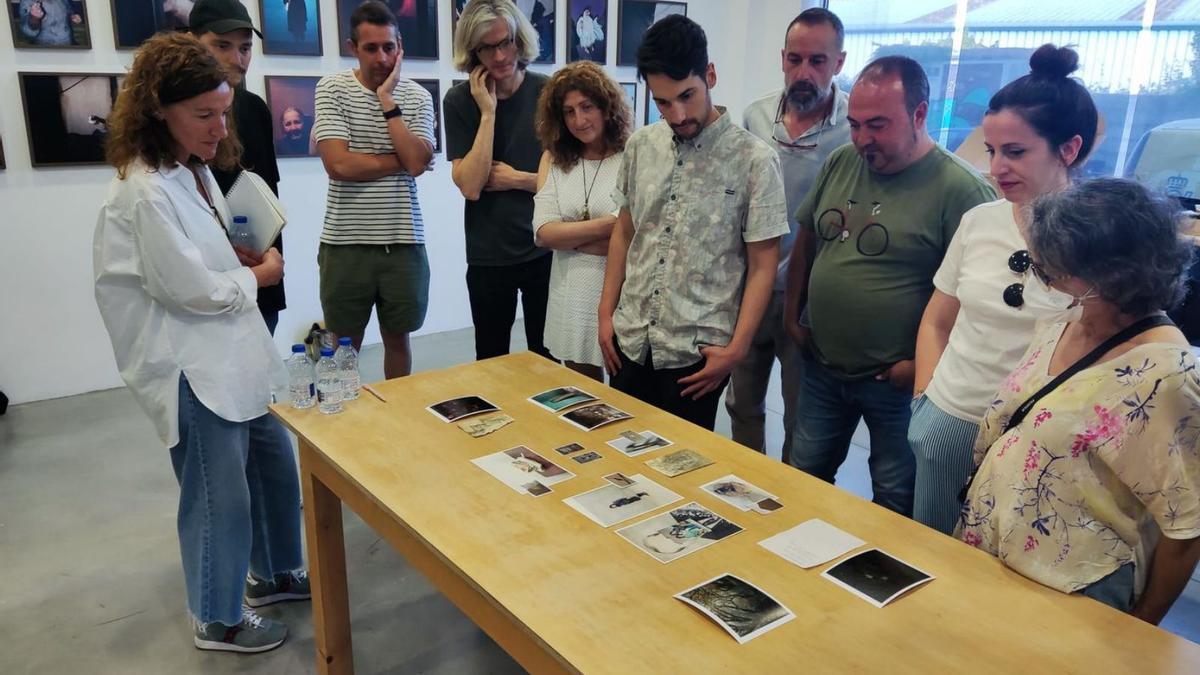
{"x":342,"y":164}
{"x":413,"y":152}
{"x":471,"y":172}
{"x":614,"y":279}
{"x":1170,"y":569}
{"x":933,"y":336}
{"x":503,"y":177}
{"x":796,"y":288}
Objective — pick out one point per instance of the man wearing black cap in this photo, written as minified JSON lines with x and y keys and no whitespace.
{"x":224,"y":27}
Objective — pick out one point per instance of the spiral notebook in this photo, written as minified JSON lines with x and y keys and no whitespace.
{"x":251,"y":197}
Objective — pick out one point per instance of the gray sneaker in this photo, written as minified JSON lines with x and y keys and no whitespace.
{"x":286,"y":586}
{"x":254,"y":634}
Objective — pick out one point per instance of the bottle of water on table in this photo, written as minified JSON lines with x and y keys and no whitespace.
{"x":347,"y":362}
{"x":329,"y":384}
{"x":301,"y":379}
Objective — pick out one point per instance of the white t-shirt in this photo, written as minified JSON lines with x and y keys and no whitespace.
{"x":988,"y":337}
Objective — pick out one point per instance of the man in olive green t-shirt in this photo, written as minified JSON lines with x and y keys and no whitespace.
{"x":872,"y":233}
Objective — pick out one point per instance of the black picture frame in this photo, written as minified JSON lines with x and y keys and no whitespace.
{"x":633,"y":18}
{"x":81,"y":34}
{"x":53,"y":120}
{"x":418,"y":28}
{"x":598,"y":12}
{"x":545,"y":26}
{"x":284,"y":92}
{"x":434,"y":87}
{"x":135,"y":20}
{"x":278,"y":18}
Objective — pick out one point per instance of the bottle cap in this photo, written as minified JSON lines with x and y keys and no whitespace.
{"x":344,"y":341}
{"x":326,"y":351}
{"x":297,"y":349}
{"x":241,"y":220}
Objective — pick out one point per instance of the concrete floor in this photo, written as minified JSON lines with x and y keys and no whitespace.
{"x":92,"y":582}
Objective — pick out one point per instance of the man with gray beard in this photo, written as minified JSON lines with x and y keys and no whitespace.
{"x":803,"y":122}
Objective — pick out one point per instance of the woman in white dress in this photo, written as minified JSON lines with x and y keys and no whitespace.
{"x":590,"y":32}
{"x":583,"y":121}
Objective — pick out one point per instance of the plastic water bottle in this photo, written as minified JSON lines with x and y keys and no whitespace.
{"x":347,"y":362}
{"x":329,"y":384}
{"x":302,"y":382}
{"x":239,"y":234}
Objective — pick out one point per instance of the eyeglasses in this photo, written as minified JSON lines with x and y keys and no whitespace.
{"x":490,"y":50}
{"x":1021,"y":262}
{"x":786,"y":141}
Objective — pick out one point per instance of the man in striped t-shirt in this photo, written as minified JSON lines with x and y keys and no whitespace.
{"x":374,"y":132}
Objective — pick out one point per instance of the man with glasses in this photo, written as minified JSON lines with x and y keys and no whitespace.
{"x":803,"y":122}
{"x":872,"y":231}
{"x":494,"y":151}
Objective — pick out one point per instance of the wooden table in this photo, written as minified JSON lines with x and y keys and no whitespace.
{"x":560,"y":593}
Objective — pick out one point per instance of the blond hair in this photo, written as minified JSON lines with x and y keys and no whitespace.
{"x":476,"y":21}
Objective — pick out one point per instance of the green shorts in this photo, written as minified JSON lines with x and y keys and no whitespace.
{"x":393,"y":278}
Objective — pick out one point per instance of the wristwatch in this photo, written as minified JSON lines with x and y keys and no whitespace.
{"x":394,"y":112}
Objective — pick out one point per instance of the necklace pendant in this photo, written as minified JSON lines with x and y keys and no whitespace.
{"x":586,"y":214}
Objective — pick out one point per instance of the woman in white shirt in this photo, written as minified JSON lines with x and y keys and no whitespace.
{"x":583,"y":121}
{"x":179,"y":305}
{"x":977,"y":325}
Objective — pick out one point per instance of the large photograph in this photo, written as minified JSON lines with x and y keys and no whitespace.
{"x":539,"y":12}
{"x":636,"y":16}
{"x":434,"y":88}
{"x":51,"y":24}
{"x":416,"y":21}
{"x":292,"y":104}
{"x":66,"y":116}
{"x":587,"y":28}
{"x":136,"y":20}
{"x":291,"y":27}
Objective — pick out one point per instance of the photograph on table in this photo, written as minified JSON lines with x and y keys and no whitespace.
{"x":292,"y":103}
{"x":635,"y":17}
{"x":593,"y":416}
{"x":587,"y":22}
{"x":540,"y":13}
{"x":291,"y":27}
{"x":631,"y":98}
{"x":560,"y":398}
{"x":678,"y":532}
{"x":633,"y":444}
{"x":434,"y":87}
{"x":741,"y":494}
{"x":619,"y":479}
{"x":454,"y":409}
{"x":416,"y":22}
{"x":739,"y":607}
{"x":811,"y":543}
{"x":876,"y":576}
{"x":536,"y":489}
{"x":136,"y":20}
{"x":568,"y":448}
{"x":609,"y":504}
{"x":49,"y":24}
{"x":66,"y":116}
{"x":587,"y":457}
{"x":679,"y":462}
{"x":483,"y":425}
{"x":518,"y":467}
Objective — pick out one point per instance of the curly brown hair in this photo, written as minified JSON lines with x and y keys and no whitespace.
{"x":589,"y":79}
{"x":168,"y":68}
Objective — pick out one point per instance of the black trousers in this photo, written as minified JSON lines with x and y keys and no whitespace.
{"x":660,"y":388}
{"x":493,"y":295}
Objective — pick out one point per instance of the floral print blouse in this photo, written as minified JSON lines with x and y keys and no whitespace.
{"x":1094,"y":474}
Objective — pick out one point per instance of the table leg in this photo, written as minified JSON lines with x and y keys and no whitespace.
{"x":327,"y":568}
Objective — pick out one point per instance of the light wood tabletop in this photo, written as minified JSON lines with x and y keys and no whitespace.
{"x":561,"y":593}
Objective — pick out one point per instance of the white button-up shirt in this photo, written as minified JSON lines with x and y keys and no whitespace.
{"x":176,"y":300}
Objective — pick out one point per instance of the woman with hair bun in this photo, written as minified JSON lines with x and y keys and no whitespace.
{"x":1038,"y":130}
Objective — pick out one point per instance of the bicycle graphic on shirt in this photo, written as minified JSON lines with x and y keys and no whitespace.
{"x":871,"y":241}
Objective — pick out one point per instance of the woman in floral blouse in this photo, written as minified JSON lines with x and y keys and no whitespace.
{"x":1097,"y":489}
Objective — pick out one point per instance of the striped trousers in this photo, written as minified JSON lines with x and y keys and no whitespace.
{"x":943,"y":447}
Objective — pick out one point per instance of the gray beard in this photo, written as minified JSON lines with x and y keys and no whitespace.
{"x":804,"y":97}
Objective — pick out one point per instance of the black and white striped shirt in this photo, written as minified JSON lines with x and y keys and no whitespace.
{"x":384,"y":210}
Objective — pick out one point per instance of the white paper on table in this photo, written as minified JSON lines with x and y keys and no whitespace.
{"x":811,"y":543}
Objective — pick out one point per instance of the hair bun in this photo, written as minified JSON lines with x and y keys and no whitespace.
{"x":1053,"y":62}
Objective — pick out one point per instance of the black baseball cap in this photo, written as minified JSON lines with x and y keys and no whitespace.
{"x":219,"y":16}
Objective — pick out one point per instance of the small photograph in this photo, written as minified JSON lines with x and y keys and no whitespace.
{"x":292,"y":101}
{"x":457,"y":408}
{"x":636,"y":17}
{"x":633,"y":444}
{"x":415,"y":19}
{"x":291,"y":27}
{"x":49,"y":24}
{"x":434,"y":88}
{"x":811,"y":543}
{"x":876,"y":576}
{"x":561,"y":398}
{"x":593,"y":416}
{"x":678,"y":532}
{"x":741,"y":494}
{"x":679,"y":462}
{"x":587,"y":20}
{"x":619,"y":479}
{"x":568,"y":448}
{"x":586,"y":457}
{"x":66,"y":116}
{"x":136,"y":20}
{"x":539,"y":12}
{"x":519,"y":466}
{"x":536,"y":489}
{"x":609,"y":504}
{"x":485,"y":424}
{"x":742,"y":609}
{"x":631,"y":98}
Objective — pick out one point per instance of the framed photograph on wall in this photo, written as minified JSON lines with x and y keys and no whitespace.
{"x":434,"y":87}
{"x":587,"y":30}
{"x":292,"y":101}
{"x":136,"y":20}
{"x":541,"y":13}
{"x":49,"y":24}
{"x":652,"y":113}
{"x":415,"y":19}
{"x":2,"y":164}
{"x":635,"y":17}
{"x":66,"y":116}
{"x":631,"y":98}
{"x":290,"y":27}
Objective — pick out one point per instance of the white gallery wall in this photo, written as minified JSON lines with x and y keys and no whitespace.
{"x":52,"y":342}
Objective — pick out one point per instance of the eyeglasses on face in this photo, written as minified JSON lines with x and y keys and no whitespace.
{"x":490,"y":50}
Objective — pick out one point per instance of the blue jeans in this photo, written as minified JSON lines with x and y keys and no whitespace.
{"x":829,"y":412}
{"x":239,"y":506}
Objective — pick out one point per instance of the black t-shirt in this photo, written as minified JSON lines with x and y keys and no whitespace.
{"x":499,"y":224}
{"x":252,"y":120}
